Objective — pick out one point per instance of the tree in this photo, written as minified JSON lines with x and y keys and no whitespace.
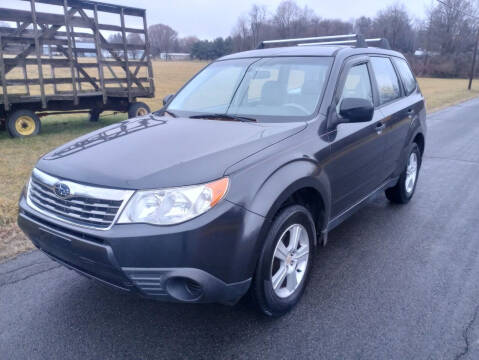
{"x":451,"y":27}
{"x":394,"y":24}
{"x":116,"y":38}
{"x":135,"y":39}
{"x":209,"y":50}
{"x":242,"y":35}
{"x":257,"y":23}
{"x":287,"y":18}
{"x":185,"y":44}
{"x":162,"y":38}
{"x":364,"y":26}
{"x":288,"y":21}
{"x":333,"y":27}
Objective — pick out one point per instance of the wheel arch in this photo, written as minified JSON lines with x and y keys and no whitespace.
{"x":420,"y":140}
{"x":298,"y":182}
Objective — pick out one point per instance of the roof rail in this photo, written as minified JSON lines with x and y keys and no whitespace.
{"x":382,"y":42}
{"x":353,"y":39}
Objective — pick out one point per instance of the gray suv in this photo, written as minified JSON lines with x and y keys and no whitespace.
{"x":230,"y":187}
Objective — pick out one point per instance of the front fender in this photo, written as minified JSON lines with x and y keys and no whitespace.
{"x":266,"y":197}
{"x":285,"y":181}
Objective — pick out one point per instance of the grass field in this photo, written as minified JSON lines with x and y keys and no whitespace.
{"x":18,"y":156}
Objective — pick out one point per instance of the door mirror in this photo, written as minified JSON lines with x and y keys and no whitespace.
{"x":167,"y":99}
{"x":355,"y":110}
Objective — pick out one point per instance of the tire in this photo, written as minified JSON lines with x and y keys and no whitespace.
{"x":138,"y":109}
{"x":276,"y":302}
{"x":403,"y":192}
{"x":23,"y":123}
{"x":94,"y":115}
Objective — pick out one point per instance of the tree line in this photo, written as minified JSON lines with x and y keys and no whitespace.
{"x":439,"y":44}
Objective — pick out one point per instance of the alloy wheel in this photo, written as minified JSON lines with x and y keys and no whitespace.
{"x":290,"y":260}
{"x":411,"y":173}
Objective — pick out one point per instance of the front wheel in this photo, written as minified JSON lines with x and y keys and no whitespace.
{"x":404,"y":189}
{"x":285,"y":262}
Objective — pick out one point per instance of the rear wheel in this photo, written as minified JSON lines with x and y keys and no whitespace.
{"x":285,"y":262}
{"x":23,"y":123}
{"x":404,"y":189}
{"x":138,"y":109}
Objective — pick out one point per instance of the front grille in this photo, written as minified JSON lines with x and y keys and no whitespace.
{"x":85,"y":205}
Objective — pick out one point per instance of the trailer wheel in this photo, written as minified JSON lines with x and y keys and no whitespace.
{"x":23,"y":123}
{"x":94,"y":115}
{"x":138,"y":109}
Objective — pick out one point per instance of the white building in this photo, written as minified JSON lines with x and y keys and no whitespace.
{"x":175,"y":56}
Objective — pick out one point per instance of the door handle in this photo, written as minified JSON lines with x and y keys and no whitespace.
{"x":380,"y":127}
{"x":410,"y":113}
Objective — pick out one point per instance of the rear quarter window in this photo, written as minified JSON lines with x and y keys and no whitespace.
{"x":386,"y":79}
{"x":406,"y":75}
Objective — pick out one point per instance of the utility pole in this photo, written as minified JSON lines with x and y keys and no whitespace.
{"x":474,"y":56}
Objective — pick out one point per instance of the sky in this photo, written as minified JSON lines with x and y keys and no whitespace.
{"x":208,"y":19}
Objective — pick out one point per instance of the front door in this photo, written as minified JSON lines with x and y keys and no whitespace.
{"x":355,"y":168}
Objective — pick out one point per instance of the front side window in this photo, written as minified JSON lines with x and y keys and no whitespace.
{"x":388,"y":83}
{"x":358,"y":84}
{"x":277,"y":89}
{"x":406,"y":75}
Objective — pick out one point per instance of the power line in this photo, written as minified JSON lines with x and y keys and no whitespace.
{"x":458,"y":10}
{"x":474,"y":55}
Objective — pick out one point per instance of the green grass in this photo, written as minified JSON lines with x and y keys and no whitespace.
{"x":18,"y":156}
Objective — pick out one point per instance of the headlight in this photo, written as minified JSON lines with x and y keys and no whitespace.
{"x":173,"y":206}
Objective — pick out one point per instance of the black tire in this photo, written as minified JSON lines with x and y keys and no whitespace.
{"x":94,"y":115}
{"x":262,"y":292}
{"x":138,"y":109}
{"x":398,"y":194}
{"x":23,"y":123}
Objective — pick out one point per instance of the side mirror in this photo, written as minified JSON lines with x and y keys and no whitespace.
{"x":167,"y":99}
{"x":355,"y":110}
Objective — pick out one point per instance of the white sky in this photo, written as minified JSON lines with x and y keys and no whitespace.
{"x":208,"y":19}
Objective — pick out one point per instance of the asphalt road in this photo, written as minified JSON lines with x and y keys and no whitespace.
{"x":394,"y":282}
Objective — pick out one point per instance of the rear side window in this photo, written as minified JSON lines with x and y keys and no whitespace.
{"x":406,"y":75}
{"x":388,"y":83}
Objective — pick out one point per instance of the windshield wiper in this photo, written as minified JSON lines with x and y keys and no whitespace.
{"x":172,"y":114}
{"x":223,"y":116}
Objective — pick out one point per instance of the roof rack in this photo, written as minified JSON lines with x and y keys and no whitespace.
{"x":350,"y":39}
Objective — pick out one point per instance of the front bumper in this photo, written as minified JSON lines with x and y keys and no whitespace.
{"x":209,"y":259}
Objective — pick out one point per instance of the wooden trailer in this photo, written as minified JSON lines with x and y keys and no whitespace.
{"x":67,"y":56}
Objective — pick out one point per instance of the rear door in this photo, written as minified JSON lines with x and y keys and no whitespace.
{"x":355,"y":169}
{"x":397,"y":109}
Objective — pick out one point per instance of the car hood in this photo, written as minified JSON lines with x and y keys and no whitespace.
{"x":155,"y":152}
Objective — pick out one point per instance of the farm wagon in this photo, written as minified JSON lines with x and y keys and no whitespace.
{"x":58,"y":56}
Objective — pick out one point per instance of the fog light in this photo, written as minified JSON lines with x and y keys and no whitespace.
{"x":184,"y":289}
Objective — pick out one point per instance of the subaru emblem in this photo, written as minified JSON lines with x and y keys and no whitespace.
{"x":62,"y":190}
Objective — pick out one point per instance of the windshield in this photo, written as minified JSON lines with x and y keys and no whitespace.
{"x":276,"y":89}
